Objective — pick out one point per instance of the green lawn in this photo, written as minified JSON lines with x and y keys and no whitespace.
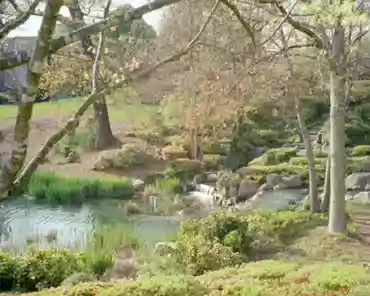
{"x":131,"y":113}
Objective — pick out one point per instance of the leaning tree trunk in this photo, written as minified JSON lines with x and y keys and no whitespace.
{"x":103,"y":133}
{"x":104,"y":137}
{"x":337,"y":214}
{"x":325,"y":199}
{"x":314,"y":200}
{"x":10,"y":170}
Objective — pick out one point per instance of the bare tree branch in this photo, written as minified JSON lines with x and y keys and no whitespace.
{"x":73,"y":122}
{"x":247,"y":27}
{"x":15,"y":59}
{"x":19,"y":20}
{"x":25,"y":107}
{"x":277,"y":29}
{"x":298,"y":25}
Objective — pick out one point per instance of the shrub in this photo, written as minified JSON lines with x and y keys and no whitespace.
{"x":361,"y":150}
{"x":40,"y":269}
{"x":259,"y":172}
{"x":233,"y":239}
{"x":268,"y":137}
{"x":186,"y":165}
{"x":214,"y":242}
{"x":8,"y":269}
{"x":213,"y":161}
{"x":211,"y":146}
{"x":320,"y":154}
{"x":131,"y":208}
{"x":171,"y":152}
{"x":49,"y":187}
{"x":155,"y":286}
{"x":83,"y":138}
{"x":275,"y":156}
{"x":274,"y":277}
{"x":130,"y":155}
{"x":98,"y":262}
{"x":78,"y":278}
{"x":302,"y":161}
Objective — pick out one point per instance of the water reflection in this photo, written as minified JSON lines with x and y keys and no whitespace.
{"x":24,"y":222}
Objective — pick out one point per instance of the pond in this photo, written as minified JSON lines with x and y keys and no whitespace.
{"x":23,"y":221}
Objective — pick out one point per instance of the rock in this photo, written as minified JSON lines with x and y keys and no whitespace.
{"x":273,"y":179}
{"x":280,"y":186}
{"x":265,"y":187}
{"x":212,"y":178}
{"x":199,"y":179}
{"x":258,"y":151}
{"x":72,"y":157}
{"x":256,"y":196}
{"x":138,"y":184}
{"x":165,"y":248}
{"x":125,"y":265}
{"x":247,"y":189}
{"x":358,"y":181}
{"x":349,"y":196}
{"x":363,"y":196}
{"x":292,"y":181}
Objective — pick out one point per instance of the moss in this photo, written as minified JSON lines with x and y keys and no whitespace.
{"x":54,"y":189}
{"x":275,"y":156}
{"x":259,"y":172}
{"x":361,"y":150}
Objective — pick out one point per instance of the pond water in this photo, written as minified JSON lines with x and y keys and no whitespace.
{"x":24,"y":221}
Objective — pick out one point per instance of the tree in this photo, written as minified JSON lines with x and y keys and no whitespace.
{"x":335,"y":17}
{"x":45,"y":45}
{"x":118,"y":80}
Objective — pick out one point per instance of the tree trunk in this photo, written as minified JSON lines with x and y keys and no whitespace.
{"x":325,"y":199}
{"x":314,"y":200}
{"x":104,"y":137}
{"x":337,"y":214}
{"x":103,"y":133}
{"x":10,"y":170}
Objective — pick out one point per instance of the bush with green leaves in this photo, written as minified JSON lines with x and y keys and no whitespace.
{"x":54,"y":189}
{"x":213,"y":242}
{"x":275,"y":156}
{"x":223,"y":239}
{"x":170,"y":285}
{"x":8,"y":270}
{"x":130,"y":155}
{"x":214,"y":161}
{"x":39,"y":269}
{"x":83,"y":138}
{"x":361,"y":150}
{"x":259,"y":172}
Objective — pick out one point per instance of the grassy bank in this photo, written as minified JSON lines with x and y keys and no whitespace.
{"x":51,"y":188}
{"x":133,"y":113}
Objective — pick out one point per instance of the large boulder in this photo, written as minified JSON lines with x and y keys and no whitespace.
{"x":247,"y":189}
{"x":292,"y":181}
{"x":363,"y":196}
{"x":273,"y":180}
{"x":358,"y":181}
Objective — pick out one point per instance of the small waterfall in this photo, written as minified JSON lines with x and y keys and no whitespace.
{"x":206,"y":189}
{"x":205,"y":194}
